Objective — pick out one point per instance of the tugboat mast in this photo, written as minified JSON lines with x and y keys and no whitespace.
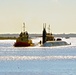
{"x":23,"y":27}
{"x":49,"y":29}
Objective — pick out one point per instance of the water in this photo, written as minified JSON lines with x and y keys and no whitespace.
{"x":37,"y":60}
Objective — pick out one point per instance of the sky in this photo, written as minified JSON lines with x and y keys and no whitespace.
{"x":59,"y":14}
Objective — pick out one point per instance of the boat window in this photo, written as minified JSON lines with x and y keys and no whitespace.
{"x":22,"y":39}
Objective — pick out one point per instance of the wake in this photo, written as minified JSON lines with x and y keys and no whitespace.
{"x":36,"y":57}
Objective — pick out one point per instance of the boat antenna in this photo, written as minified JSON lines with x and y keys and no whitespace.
{"x":45,"y":25}
{"x":23,"y":27}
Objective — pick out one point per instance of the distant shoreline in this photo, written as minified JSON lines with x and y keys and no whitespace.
{"x":7,"y":38}
{"x":15,"y":36}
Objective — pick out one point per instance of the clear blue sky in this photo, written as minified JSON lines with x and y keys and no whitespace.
{"x":60,"y":14}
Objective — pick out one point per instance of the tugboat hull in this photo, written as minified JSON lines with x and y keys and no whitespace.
{"x":22,"y":44}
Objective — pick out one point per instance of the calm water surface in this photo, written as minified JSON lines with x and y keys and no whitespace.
{"x":37,"y":60}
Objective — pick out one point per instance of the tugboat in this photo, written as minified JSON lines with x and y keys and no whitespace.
{"x":47,"y":36}
{"x":23,"y":39}
{"x":49,"y":40}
